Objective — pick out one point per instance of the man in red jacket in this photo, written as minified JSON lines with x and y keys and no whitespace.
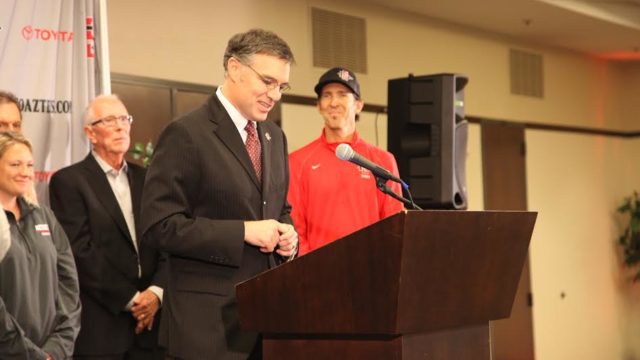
{"x":332,"y":198}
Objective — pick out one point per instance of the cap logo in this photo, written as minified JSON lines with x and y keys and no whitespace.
{"x":344,"y":75}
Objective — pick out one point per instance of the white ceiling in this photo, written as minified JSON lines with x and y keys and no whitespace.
{"x":607,"y":29}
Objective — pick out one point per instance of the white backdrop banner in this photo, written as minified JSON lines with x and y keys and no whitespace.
{"x":49,"y":59}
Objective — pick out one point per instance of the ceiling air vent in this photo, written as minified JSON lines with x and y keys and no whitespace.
{"x":339,"y":40}
{"x":527,"y":73}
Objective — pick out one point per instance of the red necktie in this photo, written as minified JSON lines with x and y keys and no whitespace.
{"x":253,"y":148}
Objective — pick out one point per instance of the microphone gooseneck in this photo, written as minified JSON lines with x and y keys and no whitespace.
{"x":382,"y":175}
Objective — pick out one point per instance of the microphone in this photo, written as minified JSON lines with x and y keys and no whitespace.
{"x":345,"y":152}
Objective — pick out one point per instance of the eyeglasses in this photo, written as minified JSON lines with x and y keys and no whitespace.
{"x":269,"y":83}
{"x":113,"y":121}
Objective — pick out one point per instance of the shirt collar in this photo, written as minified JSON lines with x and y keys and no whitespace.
{"x":106,"y":167}
{"x":238,"y":120}
{"x":355,"y":140}
{"x":25,"y":209}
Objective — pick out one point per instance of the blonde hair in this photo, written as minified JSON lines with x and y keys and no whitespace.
{"x":8,"y":139}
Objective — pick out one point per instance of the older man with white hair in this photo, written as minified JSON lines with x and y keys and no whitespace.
{"x":97,"y":201}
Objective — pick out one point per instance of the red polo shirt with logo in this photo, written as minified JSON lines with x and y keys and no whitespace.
{"x":332,"y":198}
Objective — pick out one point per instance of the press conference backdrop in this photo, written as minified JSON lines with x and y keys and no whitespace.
{"x":51,"y":60}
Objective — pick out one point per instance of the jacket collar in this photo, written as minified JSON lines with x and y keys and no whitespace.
{"x":229,"y":135}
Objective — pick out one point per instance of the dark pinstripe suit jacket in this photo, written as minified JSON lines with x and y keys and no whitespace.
{"x":199,"y":190}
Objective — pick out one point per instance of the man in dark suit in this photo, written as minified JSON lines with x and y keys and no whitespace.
{"x":97,"y":201}
{"x":215,"y":201}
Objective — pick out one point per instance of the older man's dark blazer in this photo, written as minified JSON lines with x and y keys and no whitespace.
{"x":200,"y":188}
{"x":106,"y":259}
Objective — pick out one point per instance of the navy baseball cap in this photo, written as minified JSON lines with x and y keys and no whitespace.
{"x":339,"y":75}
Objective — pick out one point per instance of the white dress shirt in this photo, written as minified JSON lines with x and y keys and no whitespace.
{"x":238,"y":120}
{"x":119,"y":183}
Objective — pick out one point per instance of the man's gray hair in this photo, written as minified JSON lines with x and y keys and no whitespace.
{"x":256,"y":41}
{"x":90,"y":113}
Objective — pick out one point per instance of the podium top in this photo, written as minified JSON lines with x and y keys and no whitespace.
{"x":413,"y":272}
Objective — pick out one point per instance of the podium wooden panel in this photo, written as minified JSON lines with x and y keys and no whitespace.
{"x":417,"y":285}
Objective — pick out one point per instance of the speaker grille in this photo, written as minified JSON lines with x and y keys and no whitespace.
{"x":339,"y":40}
{"x":527,"y":76}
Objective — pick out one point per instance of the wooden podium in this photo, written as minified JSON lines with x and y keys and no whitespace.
{"x":417,"y":285}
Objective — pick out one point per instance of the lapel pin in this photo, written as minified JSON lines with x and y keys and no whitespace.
{"x":267,"y":136}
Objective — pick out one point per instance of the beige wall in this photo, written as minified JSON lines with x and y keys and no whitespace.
{"x":574,"y":181}
{"x":186,"y":42}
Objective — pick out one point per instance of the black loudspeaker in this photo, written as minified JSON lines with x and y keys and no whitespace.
{"x":427,"y":133}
